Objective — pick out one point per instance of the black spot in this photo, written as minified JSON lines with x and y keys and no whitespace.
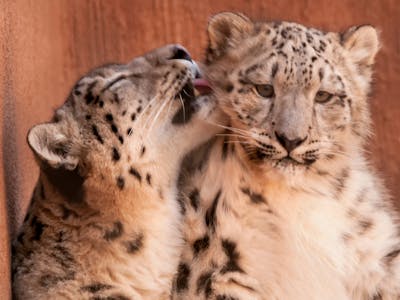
{"x":254,"y":197}
{"x":280,"y":52}
{"x":142,"y":151}
{"x":114,"y":128}
{"x":211,"y":217}
{"x":194,"y":197}
{"x":229,"y":88}
{"x":115,"y":155}
{"x":121,"y":139}
{"x":96,"y":287}
{"x":252,"y":68}
{"x":181,"y":201}
{"x":115,"y":232}
{"x":229,"y":248}
{"x":129,"y":131}
{"x":120,"y":182}
{"x":314,"y":58}
{"x":135,"y":245}
{"x":341,"y":181}
{"x":135,"y":173}
{"x":109,"y":117}
{"x":182,"y":278}
{"x":201,"y":244}
{"x":101,"y":103}
{"x":321,"y":74}
{"x":133,"y":117}
{"x":89,"y":95}
{"x":391,"y":256}
{"x":139,"y":109}
{"x":204,"y":284}
{"x":365,"y":225}
{"x":48,"y":281}
{"x":38,"y":228}
{"x":96,"y":134}
{"x":274,"y":70}
{"x":148,"y":179}
{"x":88,"y":117}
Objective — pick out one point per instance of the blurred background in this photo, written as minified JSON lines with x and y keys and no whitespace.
{"x":45,"y":45}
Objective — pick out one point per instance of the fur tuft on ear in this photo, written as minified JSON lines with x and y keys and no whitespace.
{"x":362,"y":43}
{"x":54,"y":145}
{"x":226,"y":30}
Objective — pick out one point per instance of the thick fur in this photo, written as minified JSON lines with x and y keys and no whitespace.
{"x":268,"y":220}
{"x":104,"y":219}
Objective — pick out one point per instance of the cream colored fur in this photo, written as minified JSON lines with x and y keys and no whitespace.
{"x":104,"y":222}
{"x":259,"y":225}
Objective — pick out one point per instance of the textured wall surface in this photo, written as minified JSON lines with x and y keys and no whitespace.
{"x":46,"y":45}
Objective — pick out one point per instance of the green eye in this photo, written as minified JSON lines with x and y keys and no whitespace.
{"x":265,"y":90}
{"x":322,"y":97}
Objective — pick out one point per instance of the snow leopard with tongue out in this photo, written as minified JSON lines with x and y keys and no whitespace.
{"x":104,"y":221}
{"x":284,"y":204}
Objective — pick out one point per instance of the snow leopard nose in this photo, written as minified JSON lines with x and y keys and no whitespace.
{"x":289,"y":144}
{"x":180,"y":52}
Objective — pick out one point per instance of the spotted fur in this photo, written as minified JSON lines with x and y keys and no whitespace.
{"x":300,"y":213}
{"x":104,"y":221}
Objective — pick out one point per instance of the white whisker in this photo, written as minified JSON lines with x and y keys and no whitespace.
{"x":158,"y":113}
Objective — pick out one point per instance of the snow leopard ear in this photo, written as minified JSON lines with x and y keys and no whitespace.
{"x":55,"y":144}
{"x":226,"y":30}
{"x":362,"y":43}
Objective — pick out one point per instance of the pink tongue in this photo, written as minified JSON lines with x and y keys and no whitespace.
{"x":202,"y":85}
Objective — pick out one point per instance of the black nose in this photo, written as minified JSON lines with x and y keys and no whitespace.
{"x":288,"y":144}
{"x":181,"y":53}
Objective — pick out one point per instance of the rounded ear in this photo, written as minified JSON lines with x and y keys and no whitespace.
{"x":53,"y":146}
{"x":226,"y":30}
{"x":362,"y":43}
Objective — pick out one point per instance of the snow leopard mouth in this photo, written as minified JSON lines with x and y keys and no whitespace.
{"x":289,"y":161}
{"x":202,"y":86}
{"x":186,"y":94}
{"x":192,"y":89}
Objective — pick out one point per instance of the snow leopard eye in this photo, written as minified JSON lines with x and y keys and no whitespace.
{"x":322,"y":97}
{"x":265,"y":90}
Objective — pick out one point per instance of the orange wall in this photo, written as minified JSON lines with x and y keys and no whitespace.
{"x":46,"y":45}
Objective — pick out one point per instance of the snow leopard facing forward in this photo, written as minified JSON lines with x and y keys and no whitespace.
{"x":284,"y":204}
{"x":104,"y":219}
